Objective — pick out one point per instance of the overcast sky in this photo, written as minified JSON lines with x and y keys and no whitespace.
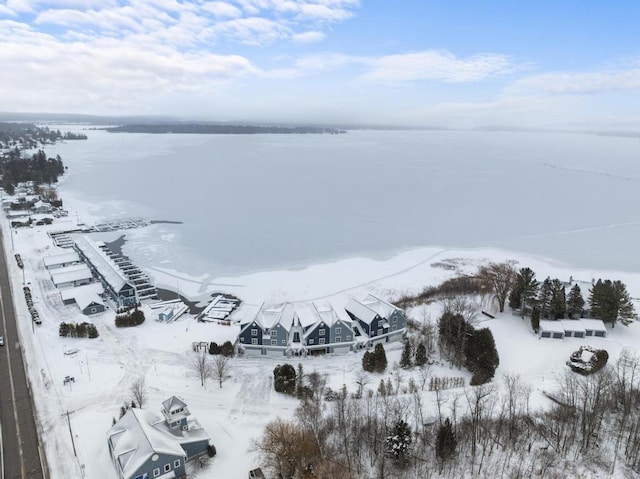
{"x":555,"y":63}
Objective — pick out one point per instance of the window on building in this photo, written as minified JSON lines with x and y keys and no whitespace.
{"x":254,"y":332}
{"x":274,"y":332}
{"x":311,"y":341}
{"x":321,"y":341}
{"x":167,"y":467}
{"x":254,"y":341}
{"x":241,"y":339}
{"x":394,"y":320}
{"x":338,"y":330}
{"x":274,"y":342}
{"x":348,"y":338}
{"x":338,"y":340}
{"x":156,"y":472}
{"x":284,"y":341}
{"x":321,"y":332}
{"x":176,"y":463}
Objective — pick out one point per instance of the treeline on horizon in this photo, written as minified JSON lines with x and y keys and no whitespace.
{"x":197,"y":128}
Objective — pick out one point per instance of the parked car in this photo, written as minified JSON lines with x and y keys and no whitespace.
{"x":1,"y":341}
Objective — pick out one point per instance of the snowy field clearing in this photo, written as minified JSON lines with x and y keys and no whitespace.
{"x":234,"y":415}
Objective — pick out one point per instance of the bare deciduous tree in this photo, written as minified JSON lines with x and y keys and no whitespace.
{"x":220,"y":369}
{"x":139,"y":391}
{"x":499,"y":277}
{"x":202,"y":367}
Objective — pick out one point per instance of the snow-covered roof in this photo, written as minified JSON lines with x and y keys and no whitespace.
{"x":107,"y":268}
{"x":83,"y":295}
{"x":572,"y":325}
{"x":380,"y":306}
{"x":360,"y":311}
{"x":72,"y":273}
{"x":173,"y":403}
{"x":134,"y":439}
{"x":56,"y":259}
{"x":269,"y":317}
{"x":593,"y":324}
{"x":551,"y":326}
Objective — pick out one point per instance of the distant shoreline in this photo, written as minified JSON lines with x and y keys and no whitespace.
{"x":209,"y":129}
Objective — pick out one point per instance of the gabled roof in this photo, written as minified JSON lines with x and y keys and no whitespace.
{"x":134,"y":439}
{"x":270,"y":317}
{"x":63,"y":258}
{"x":72,"y":273}
{"x":105,"y":266}
{"x":83,"y":295}
{"x":360,"y":311}
{"x":380,"y":306}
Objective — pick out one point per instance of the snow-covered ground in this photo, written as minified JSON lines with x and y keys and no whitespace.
{"x":234,"y":415}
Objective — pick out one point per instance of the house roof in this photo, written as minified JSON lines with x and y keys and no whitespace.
{"x":134,"y":439}
{"x":107,"y":268}
{"x":270,"y":317}
{"x":56,"y":259}
{"x":572,"y":325}
{"x":380,"y":306}
{"x":172,"y":404}
{"x":84,"y":296}
{"x":360,"y":311}
{"x":551,"y":326}
{"x":72,"y":273}
{"x":593,"y":324}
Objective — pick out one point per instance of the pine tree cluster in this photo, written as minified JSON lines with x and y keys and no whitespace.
{"x":133,"y":318}
{"x":376,"y":361}
{"x":78,"y":330}
{"x":226,"y":349}
{"x":468,"y":346}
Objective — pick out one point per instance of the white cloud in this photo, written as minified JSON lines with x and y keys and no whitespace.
{"x":308,"y":37}
{"x":252,"y":31}
{"x":437,"y":65}
{"x":222,"y":9}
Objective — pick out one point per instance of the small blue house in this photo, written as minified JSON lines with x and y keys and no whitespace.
{"x":144,"y":445}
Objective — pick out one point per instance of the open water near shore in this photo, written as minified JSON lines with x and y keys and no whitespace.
{"x":258,"y":202}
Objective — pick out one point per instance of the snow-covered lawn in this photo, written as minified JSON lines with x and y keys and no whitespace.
{"x":235,"y":415}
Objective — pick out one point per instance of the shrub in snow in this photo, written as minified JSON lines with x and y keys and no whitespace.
{"x":214,"y":348}
{"x":211,"y":450}
{"x":227,"y":349}
{"x":284,"y":379}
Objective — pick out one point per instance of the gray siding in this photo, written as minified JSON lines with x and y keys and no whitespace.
{"x":195,"y":448}
{"x":160,"y":463}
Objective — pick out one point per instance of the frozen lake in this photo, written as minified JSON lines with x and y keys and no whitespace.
{"x":260,"y":202}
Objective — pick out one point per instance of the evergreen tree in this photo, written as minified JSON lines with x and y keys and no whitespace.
{"x":575,"y":302}
{"x":446,"y":442}
{"x":398,"y":443}
{"x":544,"y":298}
{"x":368,"y":362}
{"x":610,"y":301}
{"x":421,"y":355}
{"x":528,"y":287}
{"x":558,"y":304}
{"x":515,"y":296}
{"x":405,"y":359}
{"x":481,"y":355}
{"x":300,"y":382}
{"x":535,"y":320}
{"x":379,"y":358}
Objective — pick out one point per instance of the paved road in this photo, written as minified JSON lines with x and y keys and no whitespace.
{"x":20,"y":453}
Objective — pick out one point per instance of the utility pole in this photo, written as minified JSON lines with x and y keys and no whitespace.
{"x":70,"y":432}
